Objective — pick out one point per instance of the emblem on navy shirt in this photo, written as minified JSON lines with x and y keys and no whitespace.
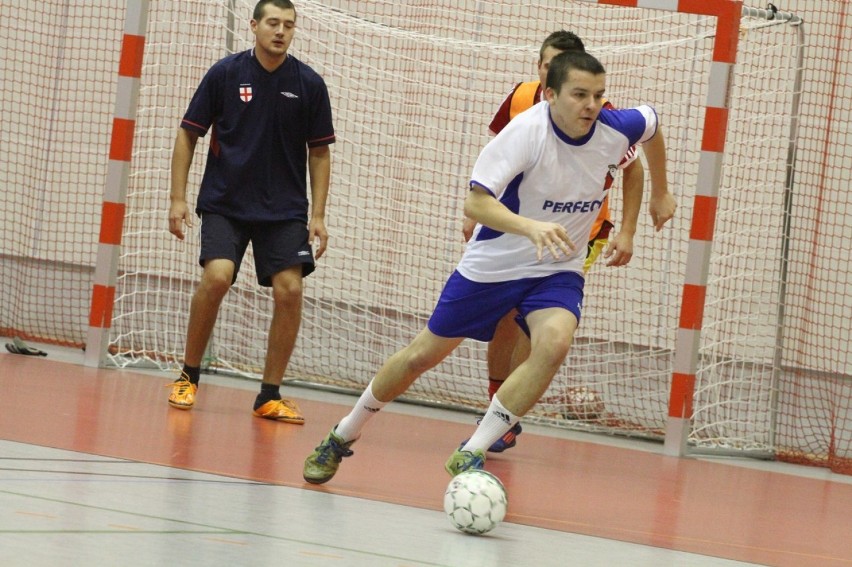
{"x":288,"y":94}
{"x":245,"y":92}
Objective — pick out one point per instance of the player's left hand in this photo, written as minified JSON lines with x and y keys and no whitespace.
{"x":317,"y":231}
{"x":619,"y":251}
{"x":467,"y":228}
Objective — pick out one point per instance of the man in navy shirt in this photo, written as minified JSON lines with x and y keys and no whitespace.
{"x":271,"y":128}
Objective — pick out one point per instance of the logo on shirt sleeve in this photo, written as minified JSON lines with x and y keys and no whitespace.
{"x":245,"y":92}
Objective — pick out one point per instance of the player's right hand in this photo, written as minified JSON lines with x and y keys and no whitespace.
{"x":552,"y":237}
{"x":178,"y":217}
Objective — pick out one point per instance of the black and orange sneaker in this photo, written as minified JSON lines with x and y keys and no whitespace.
{"x":183,"y":393}
{"x":281,"y":410}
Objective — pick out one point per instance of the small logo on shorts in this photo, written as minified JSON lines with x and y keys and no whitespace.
{"x":303,"y":253}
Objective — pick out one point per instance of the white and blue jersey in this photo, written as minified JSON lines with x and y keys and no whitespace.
{"x":262,"y":126}
{"x":540,"y":173}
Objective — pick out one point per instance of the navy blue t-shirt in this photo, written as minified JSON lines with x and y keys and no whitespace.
{"x":262,"y":124}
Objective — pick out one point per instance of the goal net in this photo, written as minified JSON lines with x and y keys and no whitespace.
{"x":413,"y":89}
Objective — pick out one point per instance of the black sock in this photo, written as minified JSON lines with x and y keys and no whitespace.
{"x":193,"y":373}
{"x":267,"y":392}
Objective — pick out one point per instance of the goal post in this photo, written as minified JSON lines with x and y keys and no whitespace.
{"x":679,"y":424}
{"x":115,"y":189}
{"x":680,"y":345}
{"x":686,"y":355}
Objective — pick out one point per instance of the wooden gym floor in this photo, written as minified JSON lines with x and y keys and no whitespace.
{"x":96,"y":468}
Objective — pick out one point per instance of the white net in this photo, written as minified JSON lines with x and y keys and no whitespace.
{"x":413,"y":89}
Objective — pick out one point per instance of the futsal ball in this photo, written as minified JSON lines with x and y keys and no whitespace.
{"x":475,"y":501}
{"x":582,"y":403}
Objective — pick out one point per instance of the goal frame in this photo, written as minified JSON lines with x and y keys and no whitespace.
{"x":728,"y":14}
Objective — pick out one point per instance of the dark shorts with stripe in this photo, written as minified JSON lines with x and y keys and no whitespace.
{"x":276,"y":245}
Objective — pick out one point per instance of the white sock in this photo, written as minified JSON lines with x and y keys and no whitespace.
{"x":497,"y":421}
{"x":367,"y":406}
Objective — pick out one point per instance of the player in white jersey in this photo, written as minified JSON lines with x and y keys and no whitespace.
{"x":510,"y":345}
{"x":561,"y":180}
{"x":535,"y":191}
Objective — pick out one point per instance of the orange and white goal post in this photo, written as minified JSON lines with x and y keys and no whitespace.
{"x":668,"y":355}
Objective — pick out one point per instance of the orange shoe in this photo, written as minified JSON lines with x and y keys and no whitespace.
{"x":183,"y":393}
{"x":281,"y":410}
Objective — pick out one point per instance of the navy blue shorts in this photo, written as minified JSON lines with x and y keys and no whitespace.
{"x":471,"y":309}
{"x":276,"y":245}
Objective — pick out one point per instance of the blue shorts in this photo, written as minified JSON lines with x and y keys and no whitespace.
{"x":276,"y":245}
{"x":472,"y":309}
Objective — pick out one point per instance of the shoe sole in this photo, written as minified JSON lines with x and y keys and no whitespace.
{"x":491,"y":449}
{"x":317,"y":480}
{"x":293,"y":420}
{"x":500,"y":450}
{"x":180,"y":406}
{"x":454,"y":474}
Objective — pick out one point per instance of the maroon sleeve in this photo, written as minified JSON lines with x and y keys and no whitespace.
{"x":502,"y":117}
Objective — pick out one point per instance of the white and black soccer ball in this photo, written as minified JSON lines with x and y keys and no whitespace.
{"x":475,"y":501}
{"x":582,"y":403}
